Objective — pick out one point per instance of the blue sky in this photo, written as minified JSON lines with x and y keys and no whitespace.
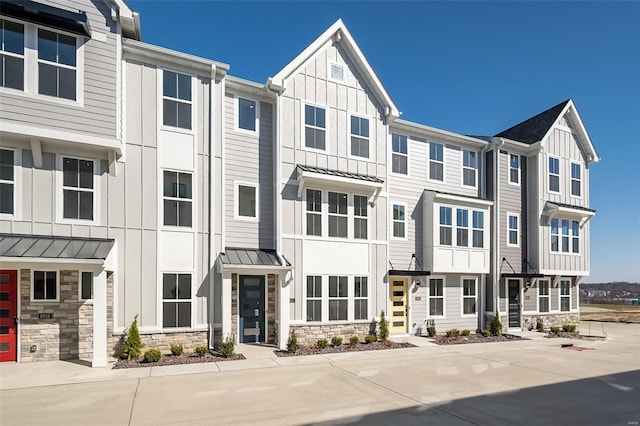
{"x":467,"y":67}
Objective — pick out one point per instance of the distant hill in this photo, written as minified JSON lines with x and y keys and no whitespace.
{"x":613,"y":292}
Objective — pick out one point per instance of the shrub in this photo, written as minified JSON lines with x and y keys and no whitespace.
{"x":133,"y":344}
{"x":555,"y":330}
{"x":384,"y":327}
{"x":370,"y":338}
{"x":454,"y":332}
{"x":292,"y":342}
{"x":227,"y":347}
{"x":354,"y":340}
{"x":465,"y":332}
{"x":152,"y":355}
{"x":495,"y":326}
{"x":336,"y":341}
{"x":177,"y":349}
{"x":569,"y":328}
{"x":540,"y":325}
{"x":201,"y":351}
{"x":322,"y":343}
{"x":486,"y":332}
{"x":431,"y":327}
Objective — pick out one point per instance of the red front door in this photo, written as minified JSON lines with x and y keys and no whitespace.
{"x":8,"y":312}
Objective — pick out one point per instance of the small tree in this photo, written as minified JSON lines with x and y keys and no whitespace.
{"x":133,"y":345}
{"x":495,"y":326}
{"x":384,"y":327}
{"x":292,"y":342}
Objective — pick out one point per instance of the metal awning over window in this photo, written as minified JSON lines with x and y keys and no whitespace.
{"x":246,"y":258}
{"x":407,"y":273}
{"x":53,"y":247}
{"x":48,"y":16}
{"x":334,"y":179}
{"x":583,"y":214}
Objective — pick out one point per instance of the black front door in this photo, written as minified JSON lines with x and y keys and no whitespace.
{"x":514,"y":303}
{"x":251,"y":308}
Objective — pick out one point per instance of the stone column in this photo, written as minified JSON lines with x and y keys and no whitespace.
{"x":226,"y":305}
{"x":283,"y":310}
{"x":99,"y":319}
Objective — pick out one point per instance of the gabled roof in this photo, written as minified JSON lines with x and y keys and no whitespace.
{"x":337,"y":33}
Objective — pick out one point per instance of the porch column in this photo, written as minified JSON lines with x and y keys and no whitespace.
{"x":99,"y":319}
{"x":283,"y":310}
{"x":226,"y":305}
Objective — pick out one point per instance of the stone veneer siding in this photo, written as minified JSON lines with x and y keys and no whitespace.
{"x":272,"y":327}
{"x":549,"y":320}
{"x":309,"y":334}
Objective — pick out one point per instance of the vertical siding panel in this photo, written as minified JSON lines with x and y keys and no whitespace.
{"x":149,"y":184}
{"x":150,"y":105}
{"x":148,"y":279}
{"x":134,"y":187}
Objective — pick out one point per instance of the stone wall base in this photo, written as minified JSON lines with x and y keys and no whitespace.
{"x":161,"y":341}
{"x":530,"y":322}
{"x":309,"y":334}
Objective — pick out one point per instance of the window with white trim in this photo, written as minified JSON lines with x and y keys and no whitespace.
{"x":338,"y":298}
{"x":554,"y":174}
{"x":469,"y":296}
{"x":247,"y":202}
{"x":176,"y":300}
{"x":45,"y":286}
{"x":469,"y":168}
{"x":446,"y":226}
{"x":314,"y":212}
{"x":565,"y":236}
{"x":359,"y":136}
{"x":513,"y":230}
{"x":575,"y":237}
{"x":86,"y":285}
{"x":338,"y":226}
{"x":7,"y":181}
{"x":514,"y":169}
{"x":314,"y":298}
{"x":360,"y":298}
{"x":462,"y":227}
{"x":399,"y":157}
{"x":436,"y":297}
{"x":399,"y":221}
{"x":478,"y":229}
{"x":56,"y":64}
{"x":576,"y":180}
{"x":77,"y":189}
{"x":565,"y":295}
{"x":247,"y":114}
{"x":336,"y":72}
{"x":12,"y":55}
{"x":177,"y":199}
{"x":315,"y":128}
{"x":176,"y":99}
{"x":360,"y":225}
{"x":543,"y":296}
{"x":436,"y":161}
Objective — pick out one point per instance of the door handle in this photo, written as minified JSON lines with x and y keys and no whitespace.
{"x":16,"y":321}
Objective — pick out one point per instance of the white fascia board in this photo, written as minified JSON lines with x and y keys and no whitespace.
{"x":53,"y":135}
{"x":248,"y":87}
{"x":95,"y":264}
{"x":460,"y":199}
{"x":254,"y":269}
{"x":520,"y":147}
{"x":432,"y":132}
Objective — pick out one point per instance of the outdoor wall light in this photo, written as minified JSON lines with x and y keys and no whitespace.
{"x":33,"y":348}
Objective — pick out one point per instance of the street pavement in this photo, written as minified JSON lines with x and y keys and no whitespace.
{"x":532,"y":382}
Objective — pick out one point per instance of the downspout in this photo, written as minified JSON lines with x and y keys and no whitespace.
{"x":211,"y":207}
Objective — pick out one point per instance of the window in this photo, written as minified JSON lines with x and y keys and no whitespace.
{"x":436,"y":297}
{"x":337,"y":215}
{"x":314,"y":212}
{"x":314,"y":298}
{"x":314,"y":127}
{"x":247,"y":114}
{"x":56,"y":64}
{"x":576,"y":180}
{"x":359,"y":137}
{"x":338,"y":300}
{"x":436,"y":161}
{"x":337,"y":72}
{"x":77,"y":188}
{"x":468,"y":296}
{"x":45,"y":285}
{"x":176,"y":300}
{"x":177,"y":199}
{"x":7,"y":181}
{"x":247,"y":202}
{"x":469,"y":167}
{"x":561,"y":241}
{"x":12,"y":55}
{"x":176,"y":100}
{"x":575,"y":237}
{"x":478,"y":229}
{"x":399,"y":221}
{"x":446,"y":226}
{"x":554,"y":174}
{"x":360,"y":301}
{"x":565,"y":295}
{"x":543,"y":296}
{"x":514,"y":169}
{"x":512,"y":230}
{"x":554,"y":235}
{"x":360,"y":217}
{"x":399,"y":158}
{"x":462,"y":228}
{"x":86,"y":285}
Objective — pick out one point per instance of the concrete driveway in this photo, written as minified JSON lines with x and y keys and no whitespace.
{"x":528,"y":382}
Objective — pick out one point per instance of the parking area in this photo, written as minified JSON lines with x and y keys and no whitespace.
{"x":524,"y":382}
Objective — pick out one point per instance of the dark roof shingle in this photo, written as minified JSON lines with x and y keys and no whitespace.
{"x":533,"y":129}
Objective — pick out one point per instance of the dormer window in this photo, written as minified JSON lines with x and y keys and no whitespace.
{"x":56,"y":64}
{"x":12,"y":44}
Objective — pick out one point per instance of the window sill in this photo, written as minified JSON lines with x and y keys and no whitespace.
{"x":36,"y":96}
{"x":45,"y":302}
{"x":246,"y":132}
{"x":166,"y":128}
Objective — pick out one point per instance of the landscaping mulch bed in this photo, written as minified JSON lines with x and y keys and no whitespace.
{"x":315,"y":350}
{"x":473,"y":338}
{"x":175,"y":360}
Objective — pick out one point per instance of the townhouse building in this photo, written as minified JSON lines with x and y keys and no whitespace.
{"x":140,"y":182}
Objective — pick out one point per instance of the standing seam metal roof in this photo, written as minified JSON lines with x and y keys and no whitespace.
{"x":252,"y":257}
{"x":54,"y":247}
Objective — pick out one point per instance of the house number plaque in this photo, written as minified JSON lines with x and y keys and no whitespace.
{"x":45,"y":316}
